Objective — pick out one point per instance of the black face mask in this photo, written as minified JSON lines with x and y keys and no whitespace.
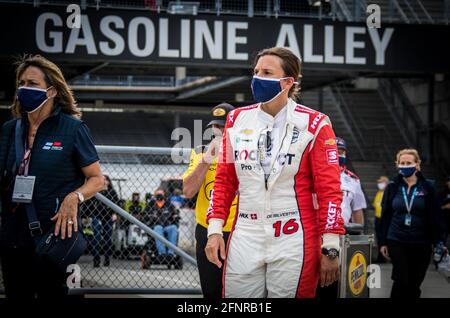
{"x":159,"y":197}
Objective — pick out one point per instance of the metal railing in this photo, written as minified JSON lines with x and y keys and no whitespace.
{"x":132,"y":80}
{"x":442,"y":147}
{"x":117,"y":209}
{"x":343,"y":12}
{"x":377,"y":143}
{"x":447,"y":11}
{"x":425,"y":11}
{"x":403,"y":112}
{"x":412,"y":11}
{"x":401,"y":11}
{"x":266,"y":8}
{"x":352,"y":127}
{"x":374,"y":137}
{"x":415,"y":132}
{"x":360,"y":8}
{"x":131,"y":248}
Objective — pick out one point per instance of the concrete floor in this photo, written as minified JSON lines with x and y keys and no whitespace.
{"x":435,"y":284}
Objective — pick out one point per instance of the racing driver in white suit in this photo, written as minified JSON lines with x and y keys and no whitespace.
{"x":278,"y":157}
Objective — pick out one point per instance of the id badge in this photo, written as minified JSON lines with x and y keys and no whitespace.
{"x":23,"y":189}
{"x":408,"y":219}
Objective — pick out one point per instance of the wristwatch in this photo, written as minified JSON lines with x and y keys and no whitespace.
{"x":331,"y":253}
{"x":80,"y":196}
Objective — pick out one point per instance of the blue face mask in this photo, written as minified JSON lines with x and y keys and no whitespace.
{"x":342,"y":160}
{"x":407,"y":171}
{"x":31,"y":99}
{"x":265,"y":89}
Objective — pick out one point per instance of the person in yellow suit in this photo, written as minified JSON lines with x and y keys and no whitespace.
{"x":199,"y":179}
{"x":382,"y":182}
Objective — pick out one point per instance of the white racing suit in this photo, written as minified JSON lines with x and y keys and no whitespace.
{"x":282,"y":218}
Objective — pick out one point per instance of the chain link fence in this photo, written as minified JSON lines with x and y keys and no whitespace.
{"x":123,"y":255}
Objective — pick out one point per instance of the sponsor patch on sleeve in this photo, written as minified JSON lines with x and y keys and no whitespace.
{"x":330,"y":142}
{"x":332,"y":156}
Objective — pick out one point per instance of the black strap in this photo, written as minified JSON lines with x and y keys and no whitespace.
{"x":33,"y":223}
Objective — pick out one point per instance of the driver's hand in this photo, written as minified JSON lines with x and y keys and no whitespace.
{"x":329,"y":270}
{"x":215,"y":245}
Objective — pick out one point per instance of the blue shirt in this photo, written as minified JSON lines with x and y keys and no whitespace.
{"x":177,"y":200}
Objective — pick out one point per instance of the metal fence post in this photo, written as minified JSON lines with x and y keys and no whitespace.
{"x":250,"y":8}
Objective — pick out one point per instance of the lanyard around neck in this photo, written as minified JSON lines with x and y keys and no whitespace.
{"x":24,"y":165}
{"x":411,"y":202}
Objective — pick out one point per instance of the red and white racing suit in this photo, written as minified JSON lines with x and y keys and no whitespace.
{"x":282,"y":219}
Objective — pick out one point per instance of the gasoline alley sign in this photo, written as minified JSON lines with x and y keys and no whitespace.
{"x":226,"y":41}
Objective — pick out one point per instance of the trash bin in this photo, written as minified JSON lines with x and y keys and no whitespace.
{"x":356,"y":257}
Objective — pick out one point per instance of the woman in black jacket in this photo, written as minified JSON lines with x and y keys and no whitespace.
{"x":411,"y":223}
{"x":61,"y":161}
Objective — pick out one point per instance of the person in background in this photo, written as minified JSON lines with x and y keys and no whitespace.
{"x":148,"y":197}
{"x":411,"y":223}
{"x":103,"y":219}
{"x":382,"y":183}
{"x":177,"y":198}
{"x":120,"y":220}
{"x":354,"y":200}
{"x":149,"y":203}
{"x":135,"y":206}
{"x":164,"y":218}
{"x":199,"y":179}
{"x":122,"y":203}
{"x":445,"y":204}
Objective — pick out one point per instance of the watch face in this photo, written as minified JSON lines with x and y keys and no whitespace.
{"x":80,"y":197}
{"x":333,"y":253}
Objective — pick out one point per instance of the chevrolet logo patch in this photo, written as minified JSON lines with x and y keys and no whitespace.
{"x":218,"y":112}
{"x":246,"y":131}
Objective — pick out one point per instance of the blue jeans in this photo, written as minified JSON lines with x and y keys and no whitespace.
{"x":171,"y":233}
{"x":102,"y":237}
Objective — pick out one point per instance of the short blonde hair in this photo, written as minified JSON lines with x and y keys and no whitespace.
{"x":383,"y":179}
{"x":408,"y":151}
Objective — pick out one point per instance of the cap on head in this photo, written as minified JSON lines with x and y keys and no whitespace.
{"x":341,"y":143}
{"x":219,"y":114}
